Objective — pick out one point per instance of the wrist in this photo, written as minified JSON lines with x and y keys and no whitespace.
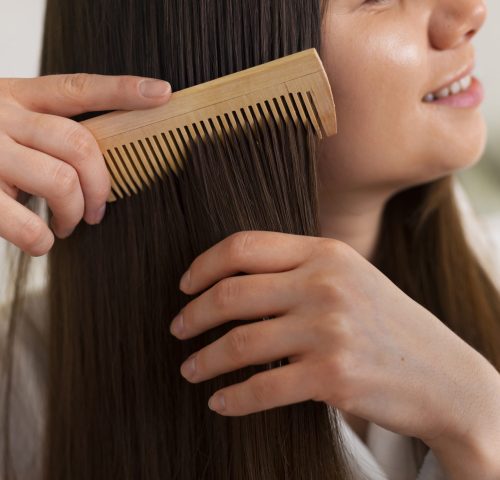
{"x":472,"y":452}
{"x":468,"y":458}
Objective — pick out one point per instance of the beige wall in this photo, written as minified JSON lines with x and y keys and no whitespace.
{"x":482,"y":182}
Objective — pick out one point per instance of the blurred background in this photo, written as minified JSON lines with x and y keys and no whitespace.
{"x":21,"y":24}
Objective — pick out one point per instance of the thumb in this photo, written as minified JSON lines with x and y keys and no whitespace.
{"x":71,"y":94}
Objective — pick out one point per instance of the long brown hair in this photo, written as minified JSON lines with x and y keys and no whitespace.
{"x":117,"y":405}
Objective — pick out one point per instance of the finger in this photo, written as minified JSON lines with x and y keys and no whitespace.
{"x":287,"y":385}
{"x":10,"y":190}
{"x":23,"y":228}
{"x":39,"y":174}
{"x":251,"y":344}
{"x":74,"y":144}
{"x":75,"y":93}
{"x":250,"y":252}
{"x":242,"y":297}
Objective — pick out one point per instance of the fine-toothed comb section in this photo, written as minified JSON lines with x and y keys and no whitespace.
{"x":141,"y":146}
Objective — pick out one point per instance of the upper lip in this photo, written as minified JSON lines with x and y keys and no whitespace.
{"x":453,"y":78}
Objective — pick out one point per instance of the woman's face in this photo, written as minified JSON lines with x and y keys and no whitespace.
{"x":382,"y":57}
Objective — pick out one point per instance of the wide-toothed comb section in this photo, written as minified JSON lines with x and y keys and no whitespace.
{"x":142,"y":146}
{"x":143,"y":161}
{"x":139,"y":164}
{"x":308,"y":105}
{"x":117,"y":189}
{"x":127,"y":182}
{"x":169,"y":152}
{"x":152,"y":157}
{"x":175,"y":143}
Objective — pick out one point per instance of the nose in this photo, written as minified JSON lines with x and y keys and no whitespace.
{"x":454,"y":22}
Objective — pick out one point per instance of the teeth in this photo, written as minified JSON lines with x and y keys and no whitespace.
{"x":445,"y":92}
{"x":456,"y":87}
{"x":465,"y":82}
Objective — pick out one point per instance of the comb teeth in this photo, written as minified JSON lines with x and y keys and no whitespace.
{"x":142,"y":146}
{"x":142,"y":162}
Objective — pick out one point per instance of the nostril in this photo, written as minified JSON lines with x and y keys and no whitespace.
{"x":470,"y":34}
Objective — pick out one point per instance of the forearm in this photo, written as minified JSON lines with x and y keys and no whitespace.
{"x":474,"y":454}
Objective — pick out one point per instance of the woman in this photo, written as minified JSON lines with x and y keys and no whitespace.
{"x":383,"y":314}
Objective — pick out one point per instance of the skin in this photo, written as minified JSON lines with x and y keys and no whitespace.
{"x":354,"y":339}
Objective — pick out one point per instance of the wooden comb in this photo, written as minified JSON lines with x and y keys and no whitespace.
{"x":141,"y":146}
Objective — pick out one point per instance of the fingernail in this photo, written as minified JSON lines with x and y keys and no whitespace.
{"x":65,"y":234}
{"x":217,"y":402}
{"x":97,"y":216}
{"x":154,"y":88}
{"x":60,"y":233}
{"x":100,"y":214}
{"x":188,"y":368}
{"x":177,"y":325}
{"x":185,"y":280}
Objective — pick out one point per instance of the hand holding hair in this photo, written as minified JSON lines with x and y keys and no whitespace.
{"x":58,"y":158}
{"x":353,"y":339}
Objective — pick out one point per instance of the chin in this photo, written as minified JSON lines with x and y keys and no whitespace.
{"x":463,"y":151}
{"x":470,"y":148}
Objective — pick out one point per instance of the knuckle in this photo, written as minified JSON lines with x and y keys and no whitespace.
{"x":225,"y":293}
{"x":336,"y":368}
{"x":239,"y":245}
{"x":238,"y":340}
{"x":38,"y":127}
{"x":334,"y":248}
{"x":324,"y":286}
{"x":331,"y":331}
{"x":338,"y":365}
{"x":337,"y":328}
{"x":76,"y":85}
{"x":32,"y":232}
{"x":125,"y":82}
{"x":66,"y":180}
{"x":80,"y":142}
{"x":38,"y":121}
{"x":329,"y":244}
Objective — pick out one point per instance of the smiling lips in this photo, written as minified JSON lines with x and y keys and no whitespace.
{"x":470,"y":97}
{"x":455,"y":88}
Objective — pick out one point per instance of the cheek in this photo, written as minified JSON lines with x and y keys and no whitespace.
{"x":377,"y":140}
{"x":387,"y":137}
{"x":376,"y":84}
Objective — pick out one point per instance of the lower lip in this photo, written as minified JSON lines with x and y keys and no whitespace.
{"x":472,"y":97}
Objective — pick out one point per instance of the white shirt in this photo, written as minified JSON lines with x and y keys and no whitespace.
{"x":387,"y":456}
